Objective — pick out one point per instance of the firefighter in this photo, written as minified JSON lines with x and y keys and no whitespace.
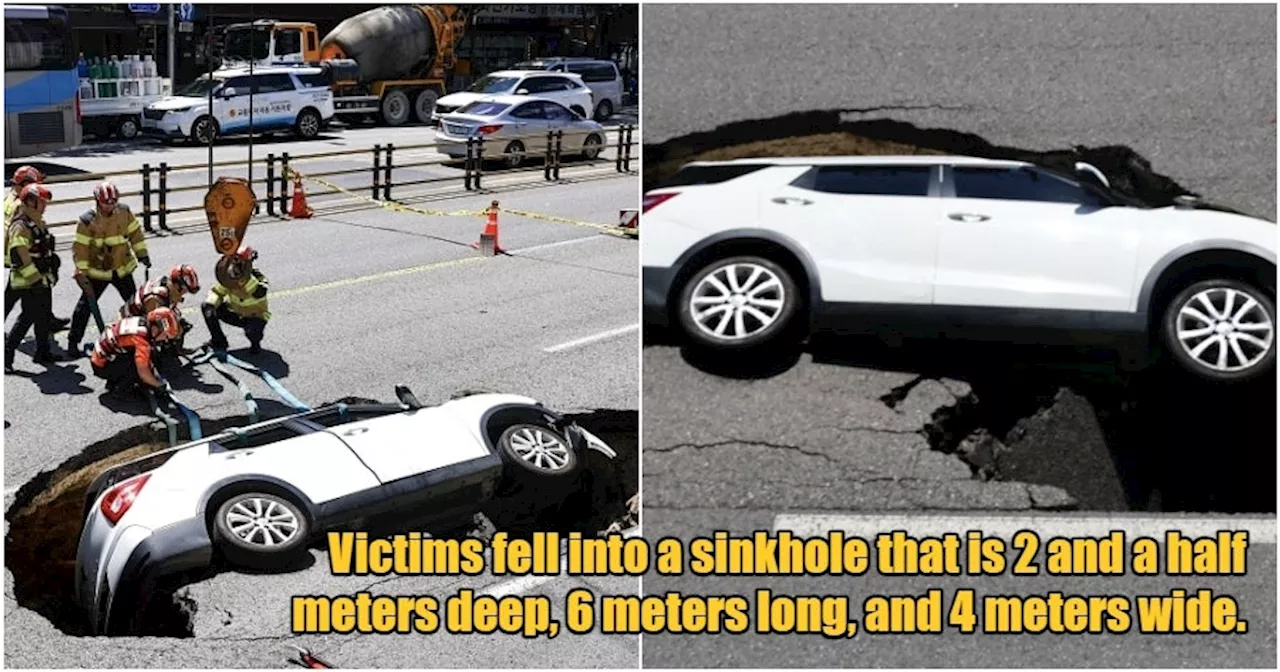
{"x":33,"y":271}
{"x":166,"y":291}
{"x":123,"y":356}
{"x":23,"y":176}
{"x":108,"y":247}
{"x":239,"y":298}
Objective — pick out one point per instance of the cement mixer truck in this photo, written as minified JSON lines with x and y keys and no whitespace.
{"x":390,"y":62}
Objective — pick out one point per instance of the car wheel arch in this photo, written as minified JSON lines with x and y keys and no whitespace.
{"x":778,"y":247}
{"x":1189,"y":263}
{"x":231,"y":486}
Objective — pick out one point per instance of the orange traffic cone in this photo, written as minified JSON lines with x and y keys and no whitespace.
{"x":299,"y":208}
{"x":488,"y":243}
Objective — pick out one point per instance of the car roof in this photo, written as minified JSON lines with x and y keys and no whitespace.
{"x":526,"y":73}
{"x":512,"y":99}
{"x":864,"y":160}
{"x":243,"y":71}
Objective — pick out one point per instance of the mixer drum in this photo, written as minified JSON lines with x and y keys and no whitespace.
{"x":387,"y":42}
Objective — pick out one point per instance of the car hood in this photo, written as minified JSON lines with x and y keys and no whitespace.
{"x":177,"y":103}
{"x":461,"y":98}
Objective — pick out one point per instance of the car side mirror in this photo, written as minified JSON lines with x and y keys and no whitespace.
{"x":227,"y":93}
{"x":522,"y":92}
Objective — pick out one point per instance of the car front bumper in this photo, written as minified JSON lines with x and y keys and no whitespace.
{"x":656,"y":286}
{"x":162,"y":128}
{"x":117,"y":573}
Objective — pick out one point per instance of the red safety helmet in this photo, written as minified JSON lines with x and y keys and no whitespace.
{"x":184,"y":278}
{"x":25,"y":175}
{"x":36,"y":190}
{"x":246,"y":253}
{"x":166,"y":320}
{"x":106,"y":193}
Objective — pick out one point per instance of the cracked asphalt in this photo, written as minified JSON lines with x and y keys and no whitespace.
{"x":853,"y":426}
{"x":364,"y":300}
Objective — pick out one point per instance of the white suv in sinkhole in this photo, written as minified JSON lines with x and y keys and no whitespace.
{"x":742,"y":253}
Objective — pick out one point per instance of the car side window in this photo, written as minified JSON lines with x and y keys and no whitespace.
{"x":528,"y":111}
{"x":236,"y":86}
{"x":868,"y":180}
{"x":1019,"y":184}
{"x":274,"y":84}
{"x":556,"y":112}
{"x":533,"y":85}
{"x":288,"y":42}
{"x":260,"y":437}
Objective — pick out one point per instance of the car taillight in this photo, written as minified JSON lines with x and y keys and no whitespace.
{"x":652,"y":201}
{"x":486,"y":130}
{"x":120,"y":497}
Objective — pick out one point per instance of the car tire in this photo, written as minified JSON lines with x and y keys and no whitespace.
{"x":243,"y":522}
{"x":591,"y":147}
{"x":307,"y":125}
{"x":127,"y":128}
{"x":203,"y":125}
{"x":766,"y":297}
{"x":537,"y":455}
{"x":395,"y":108}
{"x":1222,"y":330}
{"x":604,"y":110}
{"x":517,"y":148}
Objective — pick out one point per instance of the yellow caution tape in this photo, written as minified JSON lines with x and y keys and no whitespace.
{"x":400,"y":207}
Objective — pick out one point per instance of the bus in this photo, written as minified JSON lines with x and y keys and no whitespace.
{"x":41,"y":83}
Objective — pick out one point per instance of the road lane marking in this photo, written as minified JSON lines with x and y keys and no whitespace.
{"x":526,"y":583}
{"x":1261,"y":529}
{"x":592,"y":338}
{"x":447,"y":263}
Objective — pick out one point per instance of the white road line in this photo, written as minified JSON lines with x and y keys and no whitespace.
{"x":526,"y":583}
{"x":1261,"y":529}
{"x":592,"y":338}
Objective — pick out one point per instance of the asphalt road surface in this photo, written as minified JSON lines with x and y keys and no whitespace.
{"x":850,"y":427}
{"x":362,"y":300}
{"x":1189,"y":87}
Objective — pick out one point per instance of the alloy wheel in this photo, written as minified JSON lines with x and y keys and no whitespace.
{"x":540,"y":449}
{"x":1225,"y":329}
{"x":262,"y":522}
{"x":737,"y":301}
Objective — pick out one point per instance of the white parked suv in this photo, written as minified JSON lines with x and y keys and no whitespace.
{"x":284,"y":98}
{"x":564,"y":88}
{"x":743,"y":253}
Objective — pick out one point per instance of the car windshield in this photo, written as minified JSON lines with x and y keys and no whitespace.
{"x":484,"y":108}
{"x":199,"y":88}
{"x":491,"y":84}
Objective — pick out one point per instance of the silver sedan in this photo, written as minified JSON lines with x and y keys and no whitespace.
{"x":517,"y":127}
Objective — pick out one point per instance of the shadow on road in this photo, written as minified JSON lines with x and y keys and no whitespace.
{"x":1155,"y":440}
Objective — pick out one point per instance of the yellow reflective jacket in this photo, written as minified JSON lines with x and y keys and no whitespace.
{"x":11,"y":203}
{"x":30,"y":253}
{"x":247,"y":301}
{"x":107,"y":244}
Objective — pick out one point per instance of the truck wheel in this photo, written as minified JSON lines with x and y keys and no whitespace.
{"x":308,"y":124}
{"x":395,"y":108}
{"x":424,"y":104}
{"x":127,"y":128}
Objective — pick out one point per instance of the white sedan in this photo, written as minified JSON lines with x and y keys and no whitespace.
{"x":259,"y":495}
{"x":742,"y":253}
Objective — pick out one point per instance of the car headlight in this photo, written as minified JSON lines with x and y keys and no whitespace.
{"x":179,"y":110}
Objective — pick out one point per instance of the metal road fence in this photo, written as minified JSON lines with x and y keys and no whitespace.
{"x":383,"y":165}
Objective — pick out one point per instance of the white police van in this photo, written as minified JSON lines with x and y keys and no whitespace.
{"x":284,"y":98}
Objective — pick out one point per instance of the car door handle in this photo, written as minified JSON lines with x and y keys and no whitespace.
{"x":789,"y":200}
{"x":968,"y":217}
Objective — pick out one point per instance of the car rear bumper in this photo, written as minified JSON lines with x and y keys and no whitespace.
{"x":656,"y":285}
{"x":113,"y":600}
